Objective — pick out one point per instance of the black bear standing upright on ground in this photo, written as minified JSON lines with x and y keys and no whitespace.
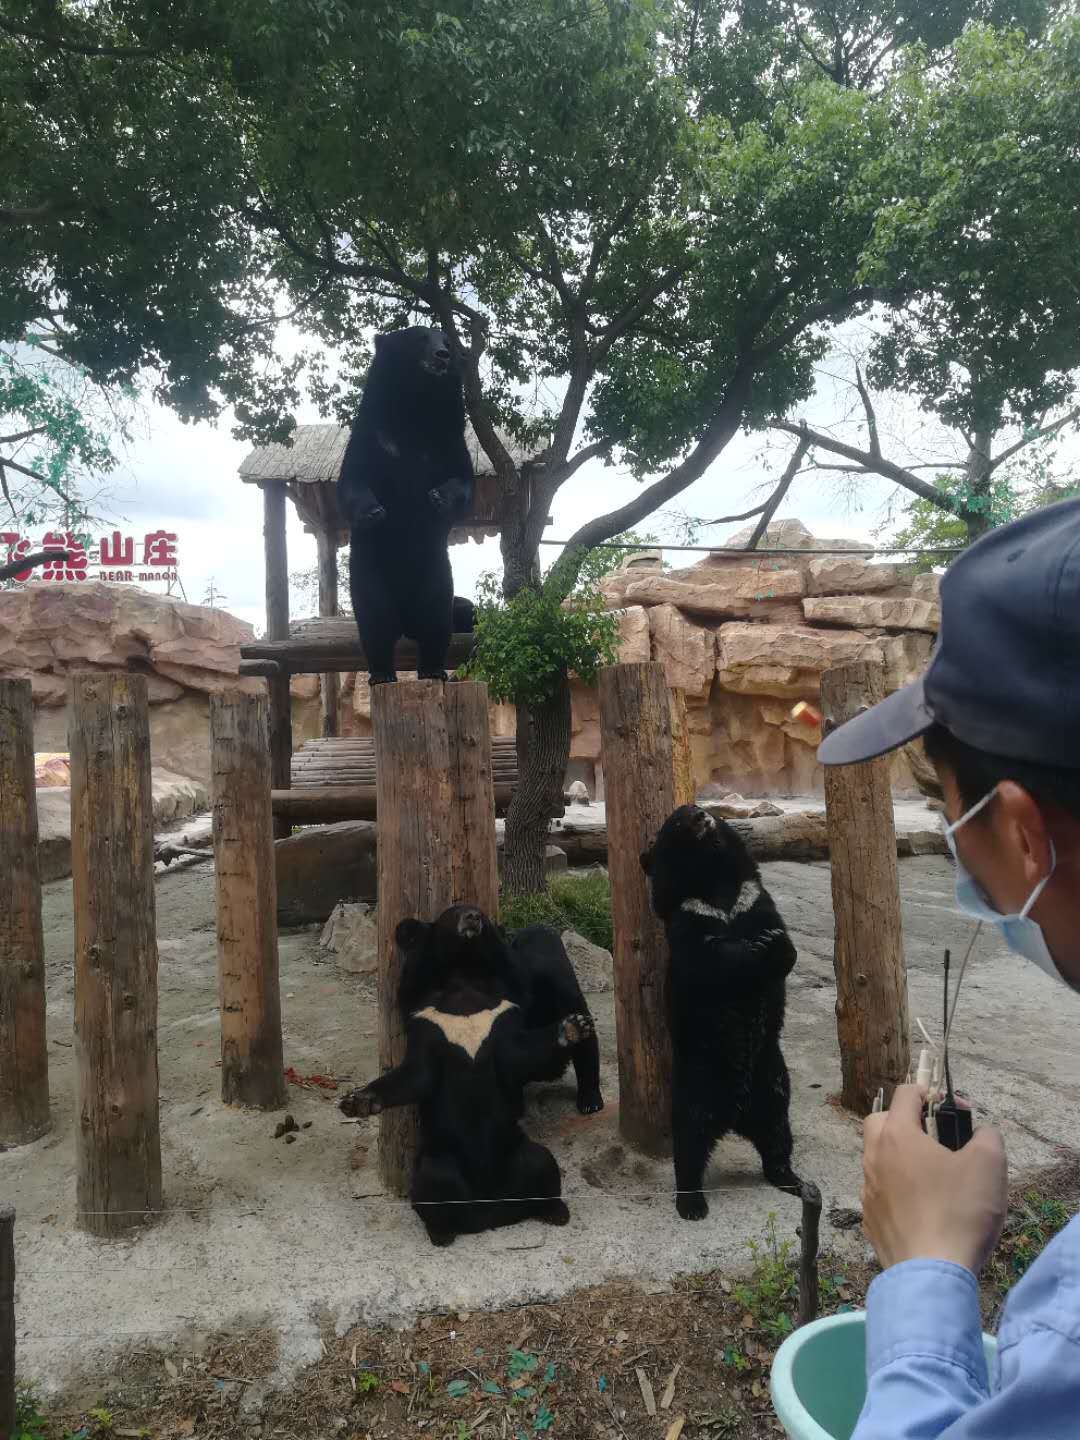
{"x":730,"y":956}
{"x":406,"y":481}
{"x":468,"y":1057}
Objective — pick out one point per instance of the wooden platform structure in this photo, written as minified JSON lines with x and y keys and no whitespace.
{"x":334,"y":779}
{"x":306,"y":472}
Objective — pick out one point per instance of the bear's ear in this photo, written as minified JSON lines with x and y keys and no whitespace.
{"x":410,"y":934}
{"x":646,"y":860}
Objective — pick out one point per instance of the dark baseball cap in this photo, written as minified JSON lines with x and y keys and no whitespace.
{"x":1005,"y":674}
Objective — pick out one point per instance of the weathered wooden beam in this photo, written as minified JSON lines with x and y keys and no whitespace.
{"x":24,"y":1055}
{"x":334,"y":645}
{"x":277,"y":629}
{"x":262,"y":669}
{"x":436,"y":846}
{"x":117,"y":1138}
{"x":871,"y":975}
{"x":325,"y":804}
{"x":635,"y":734}
{"x":252,"y":1069}
{"x":328,"y":608}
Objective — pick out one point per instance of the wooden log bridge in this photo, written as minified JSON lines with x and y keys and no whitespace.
{"x":316,"y":647}
{"x":334,"y":779}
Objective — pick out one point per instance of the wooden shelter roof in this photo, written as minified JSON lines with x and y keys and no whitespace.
{"x":316,"y":453}
{"x":309,"y":467}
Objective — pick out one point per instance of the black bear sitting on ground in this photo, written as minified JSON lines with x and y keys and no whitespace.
{"x":467,"y":1060}
{"x":730,"y":957}
{"x":406,"y":481}
{"x":552,"y":993}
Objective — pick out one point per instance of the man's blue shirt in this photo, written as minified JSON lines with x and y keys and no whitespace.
{"x":926,"y":1378}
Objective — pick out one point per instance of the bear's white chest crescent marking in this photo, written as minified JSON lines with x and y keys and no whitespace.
{"x":747,"y":897}
{"x":468,"y":1031}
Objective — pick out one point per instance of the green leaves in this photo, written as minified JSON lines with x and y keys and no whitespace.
{"x":524,"y":645}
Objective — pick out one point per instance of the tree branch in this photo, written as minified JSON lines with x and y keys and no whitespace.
{"x":1042,"y":433}
{"x":583,"y":456}
{"x":618,"y":327}
{"x":28,"y":562}
{"x":723,"y":426}
{"x":783,"y":485}
{"x":74,"y":47}
{"x":835,"y":308}
{"x":871,"y":418}
{"x":23,"y":435}
{"x":36,"y":214}
{"x":874,"y":465}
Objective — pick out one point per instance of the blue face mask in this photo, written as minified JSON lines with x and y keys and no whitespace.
{"x":1020,"y":933}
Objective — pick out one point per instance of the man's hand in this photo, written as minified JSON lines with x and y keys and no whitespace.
{"x":922,"y":1201}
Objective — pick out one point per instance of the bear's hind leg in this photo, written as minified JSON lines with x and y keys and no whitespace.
{"x":534,"y":1176}
{"x":377,"y":616}
{"x":439,"y":1196}
{"x":766,"y":1124}
{"x":693,"y":1134}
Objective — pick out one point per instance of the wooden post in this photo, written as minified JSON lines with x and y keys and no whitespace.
{"x":809,"y":1231}
{"x":7,"y":1322}
{"x":277,"y":628}
{"x":252,"y":1069}
{"x":871,"y":976}
{"x":24,"y":1056}
{"x":635,"y":732}
{"x":118,"y":1151}
{"x":436,"y":845}
{"x":328,"y":607}
{"x":682,"y":756}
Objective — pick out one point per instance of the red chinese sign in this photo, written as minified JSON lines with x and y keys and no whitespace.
{"x":116,"y":557}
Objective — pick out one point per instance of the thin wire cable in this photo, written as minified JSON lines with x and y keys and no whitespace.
{"x":762,"y":550}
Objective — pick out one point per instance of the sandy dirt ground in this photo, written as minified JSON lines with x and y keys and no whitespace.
{"x":297,"y":1239}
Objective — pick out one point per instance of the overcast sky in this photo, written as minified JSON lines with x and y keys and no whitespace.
{"x":183,"y":478}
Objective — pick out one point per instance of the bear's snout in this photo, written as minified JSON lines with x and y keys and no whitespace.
{"x":470,"y":924}
{"x":702,"y":824}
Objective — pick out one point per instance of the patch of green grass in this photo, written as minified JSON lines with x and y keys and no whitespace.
{"x":29,"y":1421}
{"x":769,"y":1295}
{"x":1032,"y":1223}
{"x":570,"y":902}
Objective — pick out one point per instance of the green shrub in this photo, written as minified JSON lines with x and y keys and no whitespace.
{"x":572,"y":902}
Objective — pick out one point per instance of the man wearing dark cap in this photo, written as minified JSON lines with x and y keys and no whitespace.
{"x":999,"y":712}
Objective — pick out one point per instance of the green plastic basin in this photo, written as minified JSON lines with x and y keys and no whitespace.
{"x":818,"y":1381}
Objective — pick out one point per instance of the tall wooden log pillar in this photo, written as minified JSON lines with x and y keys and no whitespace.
{"x":635,"y":734}
{"x":118,"y":1152}
{"x":245,"y":881}
{"x":436,"y":809}
{"x":8,"y":1403}
{"x":871,"y":974}
{"x":328,"y":607}
{"x":682,"y":755}
{"x":277,"y":628}
{"x":24,"y":1056}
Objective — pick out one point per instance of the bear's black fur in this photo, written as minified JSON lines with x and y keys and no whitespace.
{"x":406,"y":481}
{"x":469,"y":1055}
{"x":730,"y":957}
{"x":552,"y":993}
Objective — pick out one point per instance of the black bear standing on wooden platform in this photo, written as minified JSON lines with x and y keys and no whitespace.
{"x":469,"y":1055}
{"x":730,"y":957}
{"x":406,"y":481}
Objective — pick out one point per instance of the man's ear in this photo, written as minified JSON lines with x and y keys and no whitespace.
{"x":410,"y":934}
{"x":646,"y":860}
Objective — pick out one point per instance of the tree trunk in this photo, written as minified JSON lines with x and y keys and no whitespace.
{"x":543,"y":747}
{"x":871,"y":975}
{"x":978,"y":475}
{"x":117,"y":1145}
{"x":635,"y":730}
{"x":252,"y":1066}
{"x":24,"y":1056}
{"x":436,"y":848}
